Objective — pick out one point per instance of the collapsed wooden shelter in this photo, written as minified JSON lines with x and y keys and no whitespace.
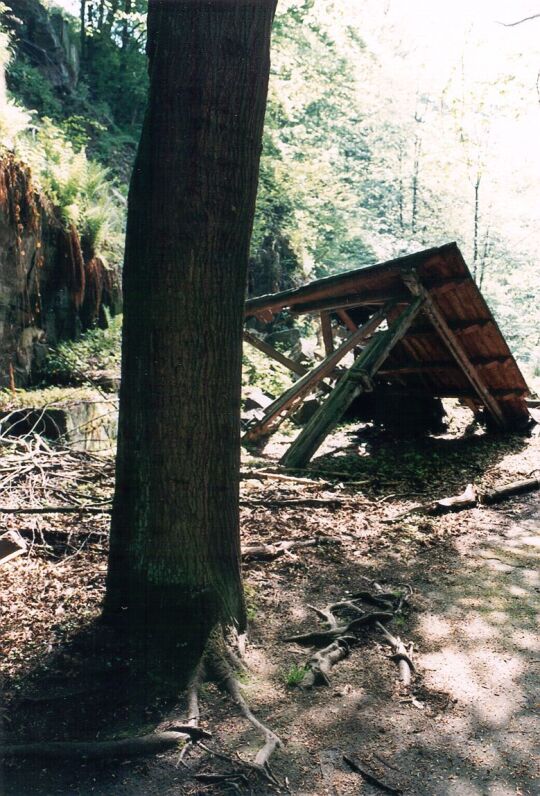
{"x":418,"y":326}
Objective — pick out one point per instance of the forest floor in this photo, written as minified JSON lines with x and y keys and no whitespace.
{"x":469,"y":724}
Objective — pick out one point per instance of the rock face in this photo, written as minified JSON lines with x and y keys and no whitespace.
{"x":46,"y":40}
{"x":83,"y":425}
{"x":47,"y":291}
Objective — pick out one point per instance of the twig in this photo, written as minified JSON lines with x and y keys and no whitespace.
{"x":56,"y":510}
{"x":519,"y":21}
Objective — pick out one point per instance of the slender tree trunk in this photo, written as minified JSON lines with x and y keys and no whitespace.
{"x":174,"y":565}
{"x":82,"y":18}
{"x":415,"y":185}
{"x":125,"y":26}
{"x":476,"y":230}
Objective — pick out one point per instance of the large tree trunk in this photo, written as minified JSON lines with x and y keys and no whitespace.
{"x":174,"y":569}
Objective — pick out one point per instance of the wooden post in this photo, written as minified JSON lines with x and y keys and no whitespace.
{"x":286,"y":403}
{"x":357,"y":380}
{"x":454,"y":346}
{"x":326,"y":329}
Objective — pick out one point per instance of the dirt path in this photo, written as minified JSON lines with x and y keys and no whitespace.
{"x":470,"y":726}
{"x":479,"y":642}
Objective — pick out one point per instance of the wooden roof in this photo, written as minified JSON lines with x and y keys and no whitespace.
{"x":422,"y":360}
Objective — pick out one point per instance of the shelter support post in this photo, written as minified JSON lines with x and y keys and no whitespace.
{"x":291,"y":398}
{"x":326,"y":330}
{"x":357,"y":379}
{"x":454,"y":346}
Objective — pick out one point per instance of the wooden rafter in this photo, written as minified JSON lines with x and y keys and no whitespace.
{"x":266,"y":348}
{"x":291,"y":398}
{"x":454,"y":346}
{"x":365,"y":299}
{"x":346,"y":319}
{"x":357,"y":379}
{"x":405,"y":368}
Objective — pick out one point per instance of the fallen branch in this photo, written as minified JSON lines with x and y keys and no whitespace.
{"x":497,"y":494}
{"x":371,"y":778}
{"x":97,"y":750}
{"x":263,"y":474}
{"x":267,"y":552}
{"x":57,"y":510}
{"x":307,"y":501}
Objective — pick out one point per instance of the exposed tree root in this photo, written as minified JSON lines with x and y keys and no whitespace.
{"x":319,"y":665}
{"x":401,"y":654}
{"x":98,"y":750}
{"x":338,"y":638}
{"x":340,"y":631}
{"x":223,"y":674}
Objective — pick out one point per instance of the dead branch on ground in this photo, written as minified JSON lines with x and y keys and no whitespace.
{"x":371,"y":778}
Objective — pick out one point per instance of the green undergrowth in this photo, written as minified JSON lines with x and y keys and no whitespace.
{"x":295,"y":675}
{"x":97,"y":349}
{"x":260,"y":371}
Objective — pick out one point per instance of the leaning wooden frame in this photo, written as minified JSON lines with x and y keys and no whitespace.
{"x":441,"y":340}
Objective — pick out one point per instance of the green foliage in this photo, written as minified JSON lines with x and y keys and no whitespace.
{"x":295,"y":675}
{"x":32,"y":89}
{"x":79,"y":187}
{"x":96,"y":349}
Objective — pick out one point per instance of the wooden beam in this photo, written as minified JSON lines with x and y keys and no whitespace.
{"x":454,"y":346}
{"x":326,"y":329}
{"x":464,"y":327}
{"x":347,"y":320}
{"x":351,"y":300}
{"x":405,"y":368}
{"x":359,"y":378}
{"x":291,"y":398}
{"x":266,"y":348}
{"x":450,"y":392}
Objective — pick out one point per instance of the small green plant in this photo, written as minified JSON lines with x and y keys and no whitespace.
{"x":251,"y":604}
{"x":295,"y":675}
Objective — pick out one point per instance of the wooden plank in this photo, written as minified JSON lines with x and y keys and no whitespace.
{"x":454,"y":346}
{"x":326,"y":329}
{"x":359,"y":378}
{"x":291,"y":398}
{"x":266,"y":348}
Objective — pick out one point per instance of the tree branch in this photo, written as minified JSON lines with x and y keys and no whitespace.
{"x":519,"y":22}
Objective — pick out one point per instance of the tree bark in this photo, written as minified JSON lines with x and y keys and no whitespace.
{"x":174,"y":565}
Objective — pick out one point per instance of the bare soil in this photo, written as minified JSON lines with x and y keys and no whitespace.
{"x":469,"y":725}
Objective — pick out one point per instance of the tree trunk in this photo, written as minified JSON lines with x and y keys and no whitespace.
{"x":82,"y":18}
{"x":174,"y":565}
{"x":125,"y":24}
